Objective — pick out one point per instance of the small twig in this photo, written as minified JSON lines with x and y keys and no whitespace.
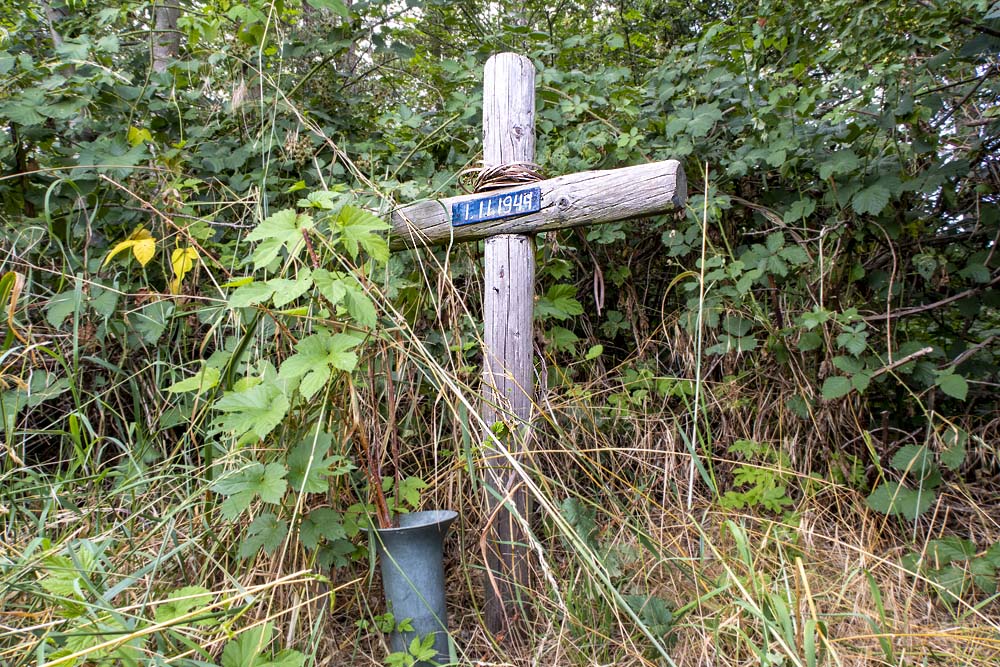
{"x":968,"y":353}
{"x":905,"y":360}
{"x":931,"y":306}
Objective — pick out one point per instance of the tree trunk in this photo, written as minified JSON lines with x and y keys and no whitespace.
{"x":166,"y":38}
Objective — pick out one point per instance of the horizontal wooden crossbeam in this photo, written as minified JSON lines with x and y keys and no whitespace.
{"x":574,"y":200}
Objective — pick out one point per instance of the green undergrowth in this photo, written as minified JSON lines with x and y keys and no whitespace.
{"x":766,"y":424}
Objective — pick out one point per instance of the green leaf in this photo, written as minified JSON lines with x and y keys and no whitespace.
{"x":356,"y":228}
{"x":913,"y":459}
{"x":246,"y":650}
{"x":950,"y":549}
{"x":323,"y":523}
{"x":561,"y":338}
{"x":267,"y":531}
{"x":810,"y":340}
{"x":205,"y":379}
{"x":258,"y":409}
{"x":60,"y":307}
{"x":854,"y":342}
{"x":799,"y":210}
{"x":359,"y":306}
{"x":895,"y":500}
{"x":314,"y":357}
{"x":559,"y":303}
{"x":309,"y":466}
{"x":330,"y":285}
{"x":286,"y":291}
{"x":836,"y":386}
{"x":284,"y":230}
{"x":953,"y":454}
{"x":952,"y":384}
{"x":286,"y":658}
{"x":861,"y":380}
{"x":182,"y":601}
{"x":408,"y":490}
{"x":338,"y":7}
{"x":251,"y":294}
{"x":255,"y":480}
{"x":871,"y":200}
{"x":841,"y":162}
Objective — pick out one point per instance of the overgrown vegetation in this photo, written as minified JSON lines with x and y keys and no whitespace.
{"x":768,"y":427}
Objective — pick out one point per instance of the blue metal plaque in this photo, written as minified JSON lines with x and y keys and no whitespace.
{"x":495,"y":207}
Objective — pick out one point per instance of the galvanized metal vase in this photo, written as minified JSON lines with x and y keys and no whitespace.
{"x":412,"y":566}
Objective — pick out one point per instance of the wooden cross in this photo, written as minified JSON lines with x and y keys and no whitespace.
{"x":507,"y":219}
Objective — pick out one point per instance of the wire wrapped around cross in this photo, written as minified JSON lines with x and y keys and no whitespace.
{"x":483,"y":179}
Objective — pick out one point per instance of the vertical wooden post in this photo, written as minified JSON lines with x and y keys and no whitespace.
{"x":508,"y":369}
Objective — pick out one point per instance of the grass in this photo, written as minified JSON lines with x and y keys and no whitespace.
{"x":821,"y":585}
{"x":636,"y":561}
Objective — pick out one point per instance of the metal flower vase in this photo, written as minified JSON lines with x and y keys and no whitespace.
{"x":412,"y":564}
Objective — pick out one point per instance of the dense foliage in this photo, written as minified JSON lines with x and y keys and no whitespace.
{"x":195,"y":271}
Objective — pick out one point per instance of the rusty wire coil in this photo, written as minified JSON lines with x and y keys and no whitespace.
{"x":482,"y":179}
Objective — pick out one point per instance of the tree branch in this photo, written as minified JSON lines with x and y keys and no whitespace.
{"x":931,"y":306}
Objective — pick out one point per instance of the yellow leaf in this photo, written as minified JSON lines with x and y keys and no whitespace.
{"x":137,"y":135}
{"x":123,"y":245}
{"x":182,"y":260}
{"x":144,"y":249}
{"x":140,"y":233}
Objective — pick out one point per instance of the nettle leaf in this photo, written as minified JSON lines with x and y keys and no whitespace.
{"x":182,"y":601}
{"x":357,"y":227}
{"x":559,"y":303}
{"x":205,"y":379}
{"x":871,"y":200}
{"x":255,"y":480}
{"x":63,"y":577}
{"x":323,"y":523}
{"x":836,"y":386}
{"x":267,"y":531}
{"x":309,"y":466}
{"x":953,"y":384}
{"x":314,"y":357}
{"x":258,"y":409}
{"x":896,"y":500}
{"x":283,"y":230}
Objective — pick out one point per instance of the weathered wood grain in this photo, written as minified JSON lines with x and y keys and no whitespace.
{"x":508,"y":368}
{"x":586,"y":198}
